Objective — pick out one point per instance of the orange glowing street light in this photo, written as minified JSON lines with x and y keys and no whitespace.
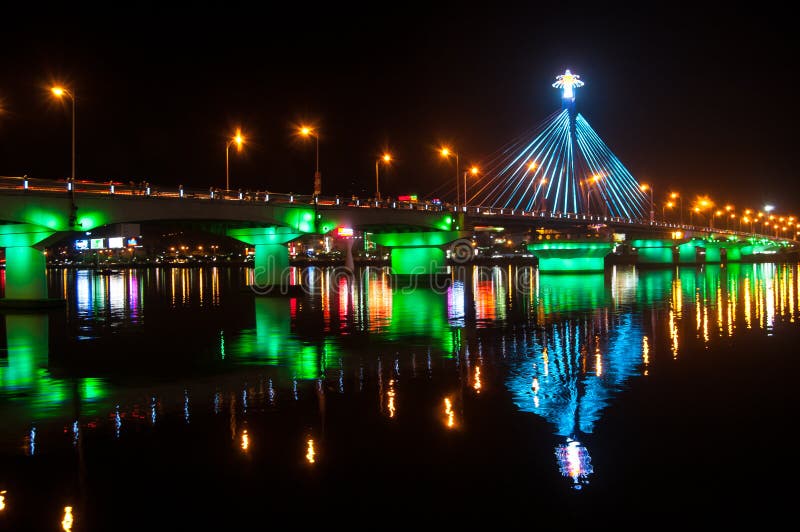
{"x":716,"y":213}
{"x":386,"y":158}
{"x":644,"y":188}
{"x":308,"y":131}
{"x":474,"y":171}
{"x":237,"y":139}
{"x":676,"y":196}
{"x":667,"y":205}
{"x":61,"y":92}
{"x":592,"y":180}
{"x":446,"y":152}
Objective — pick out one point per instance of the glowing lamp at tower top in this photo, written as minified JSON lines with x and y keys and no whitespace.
{"x":568,"y":81}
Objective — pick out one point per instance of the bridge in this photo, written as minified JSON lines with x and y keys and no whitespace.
{"x":536,"y":185}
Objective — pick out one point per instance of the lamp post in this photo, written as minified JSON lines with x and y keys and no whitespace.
{"x":645,"y":188}
{"x":446,"y":153}
{"x":386,"y":158}
{"x":474,"y":171}
{"x":237,"y":139}
{"x":713,"y":215}
{"x":61,"y":92}
{"x":542,"y":198}
{"x":668,"y":204}
{"x":729,"y":212}
{"x":695,"y":210}
{"x":307,"y":131}
{"x":675,"y":196}
{"x":594,"y":179}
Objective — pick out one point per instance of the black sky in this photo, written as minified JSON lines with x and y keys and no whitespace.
{"x":697,"y":100}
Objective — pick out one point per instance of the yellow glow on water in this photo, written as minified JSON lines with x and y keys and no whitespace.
{"x":2,"y":500}
{"x":769,"y":303}
{"x":477,"y":384}
{"x":598,"y":360}
{"x":245,"y":441}
{"x":68,"y":520}
{"x":310,"y":453}
{"x":698,"y":310}
{"x":215,"y":286}
{"x":791,"y":295}
{"x":448,"y":412}
{"x":645,"y":350}
{"x":546,"y":361}
{"x":391,"y":395}
{"x":201,"y":288}
{"x":677,"y":300}
{"x":747,"y":304}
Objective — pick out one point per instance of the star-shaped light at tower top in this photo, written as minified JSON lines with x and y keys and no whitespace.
{"x":567,"y":81}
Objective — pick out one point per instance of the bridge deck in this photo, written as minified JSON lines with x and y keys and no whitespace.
{"x":475,"y":215}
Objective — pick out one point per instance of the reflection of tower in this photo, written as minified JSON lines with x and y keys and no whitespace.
{"x":568,"y":373}
{"x":574,"y":462}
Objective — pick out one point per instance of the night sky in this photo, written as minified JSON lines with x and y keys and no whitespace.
{"x":698,"y":101}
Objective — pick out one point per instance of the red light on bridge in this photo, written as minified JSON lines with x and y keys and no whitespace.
{"x":344,"y":231}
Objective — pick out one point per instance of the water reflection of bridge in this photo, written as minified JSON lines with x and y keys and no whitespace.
{"x":570,"y":342}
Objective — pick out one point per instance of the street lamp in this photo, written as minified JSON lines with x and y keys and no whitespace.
{"x":60,"y":92}
{"x":474,"y":171}
{"x":237,"y":139}
{"x":668,"y":204}
{"x":675,"y":196}
{"x":594,"y":179}
{"x":728,"y":210}
{"x":645,"y":188}
{"x":713,"y":214}
{"x":696,"y":210}
{"x":446,"y":153}
{"x":386,"y":158}
{"x":307,"y":131}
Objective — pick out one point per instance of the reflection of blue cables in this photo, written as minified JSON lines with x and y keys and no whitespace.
{"x":551,"y":172}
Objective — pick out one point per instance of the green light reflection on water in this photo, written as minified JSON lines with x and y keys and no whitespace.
{"x":27,"y":383}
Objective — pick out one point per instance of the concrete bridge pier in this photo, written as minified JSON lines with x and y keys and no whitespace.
{"x":418,"y":253}
{"x":702,"y":251}
{"x":691,"y":252}
{"x":271,"y":266}
{"x":26,"y":267}
{"x":654,"y":251}
{"x":571,"y":255}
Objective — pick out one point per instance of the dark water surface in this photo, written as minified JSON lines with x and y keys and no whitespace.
{"x":174,"y":398}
